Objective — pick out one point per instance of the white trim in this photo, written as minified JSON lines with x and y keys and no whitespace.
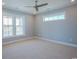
{"x":14,"y":41}
{"x":42,"y":38}
{"x":13,"y":36}
{"x":58,"y":42}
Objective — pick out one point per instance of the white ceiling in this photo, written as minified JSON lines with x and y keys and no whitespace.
{"x":52,"y":4}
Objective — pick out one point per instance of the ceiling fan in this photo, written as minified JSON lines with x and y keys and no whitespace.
{"x":37,"y":6}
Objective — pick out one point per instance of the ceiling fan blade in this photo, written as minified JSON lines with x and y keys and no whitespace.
{"x":42,"y":5}
{"x":29,"y":6}
{"x":36,"y":8}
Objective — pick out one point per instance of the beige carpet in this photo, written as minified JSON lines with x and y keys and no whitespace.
{"x":37,"y":49}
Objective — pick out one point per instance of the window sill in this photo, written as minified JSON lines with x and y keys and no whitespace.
{"x":15,"y":36}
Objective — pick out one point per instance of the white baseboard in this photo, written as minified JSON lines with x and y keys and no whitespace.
{"x":58,"y":42}
{"x":42,"y":38}
{"x":14,"y":41}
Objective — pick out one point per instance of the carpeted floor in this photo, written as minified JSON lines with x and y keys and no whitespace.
{"x":38,"y":49}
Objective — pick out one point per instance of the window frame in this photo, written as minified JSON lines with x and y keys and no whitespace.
{"x":51,"y":17}
{"x":14,"y":27}
{"x":20,"y":25}
{"x":6,"y":26}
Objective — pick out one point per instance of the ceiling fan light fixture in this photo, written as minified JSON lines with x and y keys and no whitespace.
{"x":37,"y":6}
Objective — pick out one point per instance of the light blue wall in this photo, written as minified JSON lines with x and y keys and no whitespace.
{"x":62,"y":30}
{"x":28,"y":27}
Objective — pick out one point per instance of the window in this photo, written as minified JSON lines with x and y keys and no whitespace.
{"x":55,"y":17}
{"x":12,"y":26}
{"x":7,"y":26}
{"x":19,"y":26}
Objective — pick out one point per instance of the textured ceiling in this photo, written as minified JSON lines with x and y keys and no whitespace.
{"x":52,"y":4}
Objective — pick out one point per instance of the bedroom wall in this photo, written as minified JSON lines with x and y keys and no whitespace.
{"x":28,"y":27}
{"x":62,"y":30}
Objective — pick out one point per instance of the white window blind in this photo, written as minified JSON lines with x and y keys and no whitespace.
{"x":7,"y":26}
{"x":12,"y":26}
{"x":19,"y":26}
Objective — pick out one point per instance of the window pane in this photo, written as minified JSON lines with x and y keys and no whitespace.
{"x":5,"y":31}
{"x":55,"y":17}
{"x":19,"y":30}
{"x":10,"y":21}
{"x":10,"y":31}
{"x":50,"y":18}
{"x":46,"y":19}
{"x":59,"y":16}
{"x":19,"y":21}
{"x":7,"y":20}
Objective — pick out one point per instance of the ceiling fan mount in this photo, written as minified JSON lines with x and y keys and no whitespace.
{"x":36,"y":6}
